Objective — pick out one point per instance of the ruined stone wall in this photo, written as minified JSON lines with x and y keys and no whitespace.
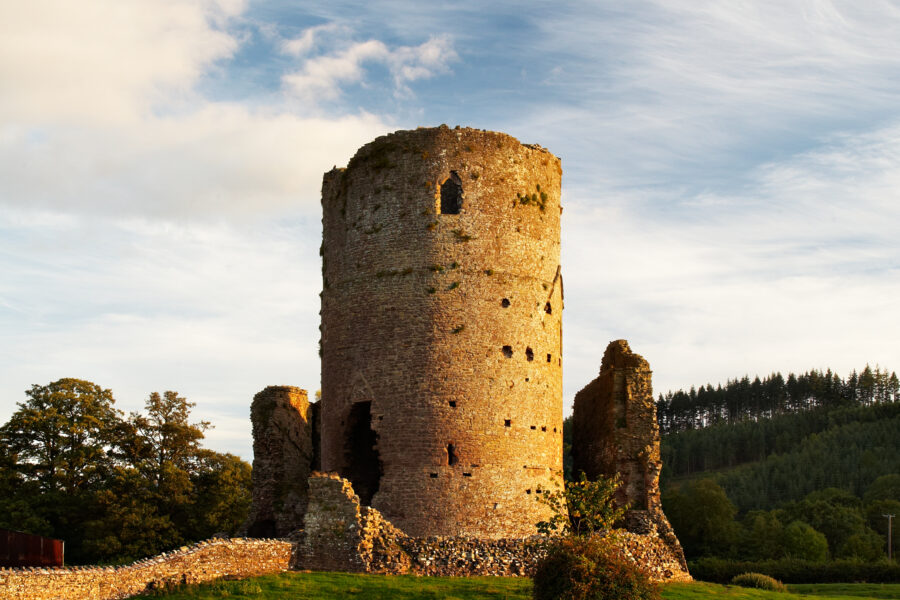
{"x":441,"y":332}
{"x":201,"y":562}
{"x":282,"y":459}
{"x":342,"y":535}
{"x":615,"y":433}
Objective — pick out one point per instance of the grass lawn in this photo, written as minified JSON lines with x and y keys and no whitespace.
{"x":333,"y":586}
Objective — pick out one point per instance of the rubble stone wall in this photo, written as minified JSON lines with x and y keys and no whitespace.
{"x":205,"y":561}
{"x":342,"y":535}
{"x":441,"y":330}
{"x":282,"y":457}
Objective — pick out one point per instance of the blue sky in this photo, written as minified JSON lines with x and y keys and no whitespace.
{"x":731,"y":179}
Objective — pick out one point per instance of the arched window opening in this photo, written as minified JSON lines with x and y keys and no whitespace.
{"x":451,"y":195}
{"x":363,"y":468}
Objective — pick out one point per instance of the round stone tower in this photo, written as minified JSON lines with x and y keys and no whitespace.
{"x":442,"y":331}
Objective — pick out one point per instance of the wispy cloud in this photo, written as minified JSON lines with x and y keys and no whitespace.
{"x":320,"y":78}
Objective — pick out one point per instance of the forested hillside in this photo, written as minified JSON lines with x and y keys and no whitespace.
{"x":803,"y":466}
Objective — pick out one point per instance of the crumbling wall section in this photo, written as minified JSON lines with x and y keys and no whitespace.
{"x":615,"y":433}
{"x":205,"y":561}
{"x":342,"y":535}
{"x":283,"y":454}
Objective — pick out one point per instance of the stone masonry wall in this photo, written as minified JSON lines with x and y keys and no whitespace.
{"x":341,"y":535}
{"x":282,"y":457}
{"x":441,"y":330}
{"x":201,"y":562}
{"x":615,"y":433}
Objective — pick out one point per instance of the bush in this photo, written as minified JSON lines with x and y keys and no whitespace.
{"x":758,"y":581}
{"x":590,"y":568}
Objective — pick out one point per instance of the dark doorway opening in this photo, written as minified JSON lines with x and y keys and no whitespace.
{"x":363,"y":462}
{"x":451,"y":195}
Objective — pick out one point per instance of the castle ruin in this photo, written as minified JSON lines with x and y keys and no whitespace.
{"x":441,"y":348}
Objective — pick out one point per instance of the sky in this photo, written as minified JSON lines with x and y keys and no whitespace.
{"x":731,"y":180}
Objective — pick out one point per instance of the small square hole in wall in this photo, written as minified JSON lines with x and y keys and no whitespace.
{"x":433,"y":475}
{"x":544,"y":428}
{"x":529,"y":354}
{"x":505,"y":303}
{"x":527,"y":491}
{"x":452,"y":403}
{"x":507,"y":351}
{"x":507,"y":422}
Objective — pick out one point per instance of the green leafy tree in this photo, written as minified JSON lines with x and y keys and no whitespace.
{"x":703,"y":518}
{"x":581,"y":508}
{"x":61,"y":435}
{"x":803,"y":542}
{"x":763,"y":534}
{"x":886,"y":487}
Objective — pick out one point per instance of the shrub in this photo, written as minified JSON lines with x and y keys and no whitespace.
{"x":758,"y":581}
{"x":590,"y":568}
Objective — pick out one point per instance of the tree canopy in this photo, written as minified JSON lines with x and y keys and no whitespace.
{"x":115,"y":488}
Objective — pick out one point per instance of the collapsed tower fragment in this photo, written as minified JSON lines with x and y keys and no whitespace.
{"x":615,"y":433}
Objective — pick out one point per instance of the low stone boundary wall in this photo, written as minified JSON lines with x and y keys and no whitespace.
{"x":204,"y":561}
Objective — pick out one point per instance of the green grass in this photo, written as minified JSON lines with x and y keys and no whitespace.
{"x":333,"y":586}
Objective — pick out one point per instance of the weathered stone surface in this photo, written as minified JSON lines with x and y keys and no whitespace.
{"x":282,"y":459}
{"x":205,"y":561}
{"x":441,"y":330}
{"x":342,"y":535}
{"x":615,"y":433}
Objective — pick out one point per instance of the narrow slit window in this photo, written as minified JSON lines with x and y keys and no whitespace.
{"x":467,"y":474}
{"x":529,"y":354}
{"x":451,"y":195}
{"x":549,"y":358}
{"x":548,"y":309}
{"x":433,"y":475}
{"x":452,"y":457}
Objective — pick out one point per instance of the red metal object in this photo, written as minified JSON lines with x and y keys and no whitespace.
{"x":25,"y":550}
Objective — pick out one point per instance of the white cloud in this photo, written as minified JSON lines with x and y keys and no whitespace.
{"x":320,"y":78}
{"x":308,"y":40}
{"x":105,"y":61}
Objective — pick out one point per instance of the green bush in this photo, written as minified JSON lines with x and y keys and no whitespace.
{"x":758,"y":581}
{"x":590,"y":568}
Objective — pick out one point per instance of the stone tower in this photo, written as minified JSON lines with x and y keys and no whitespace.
{"x":441,"y":330}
